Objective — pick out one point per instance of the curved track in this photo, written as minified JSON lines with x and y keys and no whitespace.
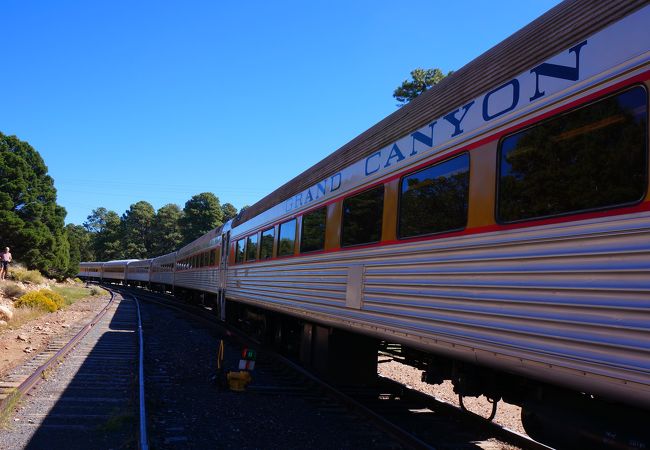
{"x":82,"y":395}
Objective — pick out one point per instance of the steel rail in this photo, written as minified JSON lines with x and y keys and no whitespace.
{"x":144,"y":443}
{"x":401,"y":435}
{"x":35,"y":377}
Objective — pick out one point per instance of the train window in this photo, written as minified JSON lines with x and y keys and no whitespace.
{"x":362,"y":217}
{"x":251,"y":248}
{"x":287,"y":238}
{"x":266,"y":245}
{"x":435,"y":199}
{"x":213,"y":257}
{"x":313,"y":230}
{"x":590,"y":158}
{"x":239,"y":250}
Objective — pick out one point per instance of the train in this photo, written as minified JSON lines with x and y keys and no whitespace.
{"x":496,"y":228}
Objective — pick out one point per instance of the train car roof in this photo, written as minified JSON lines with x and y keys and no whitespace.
{"x":144,"y":261}
{"x":118,"y":262}
{"x":202,"y":242}
{"x":554,"y":31}
{"x":166,"y":256}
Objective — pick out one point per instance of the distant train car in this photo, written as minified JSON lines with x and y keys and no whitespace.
{"x":91,"y":271}
{"x":162,"y":272}
{"x":138,"y":272}
{"x":197,"y":267}
{"x":115,"y":270}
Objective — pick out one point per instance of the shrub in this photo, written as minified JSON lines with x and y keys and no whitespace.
{"x":77,"y":280}
{"x":58,"y":299}
{"x":96,"y":290}
{"x":12,"y":290}
{"x":36,"y":299}
{"x":19,"y":273}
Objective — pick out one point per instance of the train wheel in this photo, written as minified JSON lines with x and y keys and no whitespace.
{"x":493,"y":412}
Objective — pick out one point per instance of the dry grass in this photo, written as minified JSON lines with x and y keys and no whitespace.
{"x":19,"y":273}
{"x":24,"y":315}
{"x":11,"y":290}
{"x":8,"y":406}
{"x":73,"y":293}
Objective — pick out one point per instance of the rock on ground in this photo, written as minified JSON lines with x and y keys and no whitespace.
{"x":6,"y":313}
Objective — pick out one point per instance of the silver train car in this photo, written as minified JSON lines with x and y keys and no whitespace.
{"x":138,"y":272}
{"x":113,"y":271}
{"x":497,"y":227}
{"x":162,"y":272}
{"x":197,"y":265}
{"x":90,"y":270}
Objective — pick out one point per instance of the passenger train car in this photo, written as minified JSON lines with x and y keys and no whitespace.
{"x":161,"y":276}
{"x":498,"y":227}
{"x":197,"y":265}
{"x":138,"y":272}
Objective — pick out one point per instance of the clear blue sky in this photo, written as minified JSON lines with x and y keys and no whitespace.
{"x":160,"y":100}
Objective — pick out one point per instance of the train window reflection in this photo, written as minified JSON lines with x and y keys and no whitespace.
{"x":312,"y":237}
{"x":435,"y":199}
{"x":591,"y":158}
{"x":287,"y":238}
{"x":239,"y":250}
{"x":362,"y":217}
{"x":251,"y":248}
{"x":266,"y":245}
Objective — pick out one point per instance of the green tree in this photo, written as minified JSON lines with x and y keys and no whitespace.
{"x":136,"y":230}
{"x":166,"y":235}
{"x":96,"y":221}
{"x":80,"y":246}
{"x":229,"y":212}
{"x":421,"y":80}
{"x":31,"y":222}
{"x":201,"y":214}
{"x":106,"y":230}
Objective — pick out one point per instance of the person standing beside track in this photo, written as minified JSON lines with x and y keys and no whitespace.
{"x":5,"y":259}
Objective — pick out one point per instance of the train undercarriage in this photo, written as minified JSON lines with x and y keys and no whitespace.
{"x":556,"y":416}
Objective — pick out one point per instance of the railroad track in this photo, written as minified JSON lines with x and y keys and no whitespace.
{"x":187,"y":408}
{"x":388,"y":415}
{"x":93,"y":396}
{"x":86,"y":392}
